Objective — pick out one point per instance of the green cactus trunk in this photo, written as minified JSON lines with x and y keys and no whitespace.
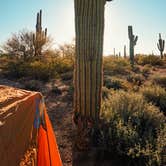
{"x":161,"y":45}
{"x":125,"y":55}
{"x":133,"y":40}
{"x":40,"y":37}
{"x":89,"y":23}
{"x":131,"y":53}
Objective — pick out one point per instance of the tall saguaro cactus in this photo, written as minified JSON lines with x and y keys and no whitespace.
{"x":40,"y":37}
{"x":133,"y":40}
{"x":114,"y":52}
{"x":125,"y":55}
{"x":161,"y":45}
{"x":89,"y":24}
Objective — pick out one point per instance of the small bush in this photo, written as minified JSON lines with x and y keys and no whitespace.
{"x":136,"y":79}
{"x":156,"y":95}
{"x":56,"y":90}
{"x":32,"y":85}
{"x":63,"y":65}
{"x":136,"y":129}
{"x":113,"y":83}
{"x":67,"y":76}
{"x":105,"y":93}
{"x":149,"y":59}
{"x":17,"y":69}
{"x":160,"y":80}
{"x":146,"y":70}
{"x":114,"y":66}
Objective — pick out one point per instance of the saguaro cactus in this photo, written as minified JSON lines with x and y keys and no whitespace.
{"x":114,"y":52}
{"x":89,"y":24}
{"x":40,"y":37}
{"x":161,"y":45}
{"x":119,"y":54}
{"x":125,"y":55}
{"x":133,"y":40}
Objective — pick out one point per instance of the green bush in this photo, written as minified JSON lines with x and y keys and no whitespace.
{"x":136,"y":129}
{"x":63,"y":65}
{"x":17,"y":69}
{"x":105,"y":92}
{"x":146,"y":70}
{"x":33,"y":69}
{"x":149,"y":59}
{"x":136,"y":79}
{"x":32,"y":85}
{"x":160,"y":80}
{"x":41,"y":71}
{"x":156,"y":95}
{"x":67,"y":76}
{"x":113,"y":83}
{"x":114,"y":66}
{"x":56,"y":90}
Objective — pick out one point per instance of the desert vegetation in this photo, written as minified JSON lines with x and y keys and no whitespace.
{"x":119,"y":102}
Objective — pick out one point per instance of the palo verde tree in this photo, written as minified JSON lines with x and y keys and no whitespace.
{"x":161,"y":45}
{"x":40,"y":37}
{"x":133,"y":41}
{"x":89,"y":24}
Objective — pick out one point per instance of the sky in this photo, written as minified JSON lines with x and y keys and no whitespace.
{"x":148,"y":18}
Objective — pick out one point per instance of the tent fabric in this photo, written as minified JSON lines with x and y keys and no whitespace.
{"x":24,"y":123}
{"x":48,"y":154}
{"x":17,"y":133}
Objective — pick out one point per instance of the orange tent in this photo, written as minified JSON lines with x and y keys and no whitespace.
{"x":48,"y":154}
{"x":25,"y":127}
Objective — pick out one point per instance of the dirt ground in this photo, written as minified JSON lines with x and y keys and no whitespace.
{"x":60,"y":112}
{"x":59,"y":107}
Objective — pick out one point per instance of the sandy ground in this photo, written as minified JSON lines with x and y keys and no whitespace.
{"x":60,"y":113}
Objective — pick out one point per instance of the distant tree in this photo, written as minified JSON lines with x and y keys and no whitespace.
{"x":21,"y":44}
{"x":67,"y":51}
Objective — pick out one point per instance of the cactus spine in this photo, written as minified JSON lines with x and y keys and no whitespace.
{"x":133,"y":40}
{"x":40,"y":37}
{"x":89,"y":24}
{"x":161,"y":45}
{"x":125,"y":55}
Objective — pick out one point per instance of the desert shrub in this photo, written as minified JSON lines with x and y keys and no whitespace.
{"x":63,"y":65}
{"x":67,"y":76}
{"x":56,"y":90}
{"x":111,"y":82}
{"x":33,"y":85}
{"x":156,"y":95}
{"x":149,"y":59}
{"x":113,"y":66}
{"x":136,"y":129}
{"x":160,"y":80}
{"x":136,"y":79}
{"x":17,"y":69}
{"x":135,"y":69}
{"x":146,"y":70}
{"x":105,"y":92}
{"x":41,"y":71}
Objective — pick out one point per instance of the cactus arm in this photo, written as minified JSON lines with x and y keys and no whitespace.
{"x":163,"y":44}
{"x":158,"y":46}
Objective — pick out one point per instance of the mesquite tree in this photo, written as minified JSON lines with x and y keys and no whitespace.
{"x":89,"y":24}
{"x":40,"y":37}
{"x":133,"y":40}
{"x":161,"y":45}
